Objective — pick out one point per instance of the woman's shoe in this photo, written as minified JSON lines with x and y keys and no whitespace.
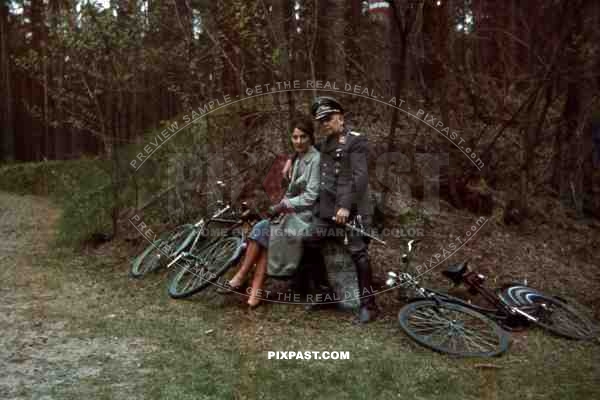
{"x":227,"y":288}
{"x":236,"y":285}
{"x":254,"y":305}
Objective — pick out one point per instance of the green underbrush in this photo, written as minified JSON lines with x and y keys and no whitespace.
{"x":91,"y":190}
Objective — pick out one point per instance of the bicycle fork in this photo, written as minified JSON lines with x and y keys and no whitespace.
{"x":515,"y":310}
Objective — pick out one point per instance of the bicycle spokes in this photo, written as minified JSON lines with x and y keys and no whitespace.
{"x":452,"y":328}
{"x":459,"y":332}
{"x":204,"y":265}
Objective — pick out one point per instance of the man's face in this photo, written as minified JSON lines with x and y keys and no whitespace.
{"x":332,"y":124}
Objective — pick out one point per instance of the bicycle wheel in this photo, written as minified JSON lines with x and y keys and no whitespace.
{"x":196,"y":271}
{"x":163,"y":248}
{"x":560,"y":318}
{"x":452,"y":329}
{"x":552,"y":313}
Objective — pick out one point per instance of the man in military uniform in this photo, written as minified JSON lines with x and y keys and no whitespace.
{"x":343,"y":195}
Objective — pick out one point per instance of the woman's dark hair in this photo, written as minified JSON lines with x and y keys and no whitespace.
{"x":305,"y":124}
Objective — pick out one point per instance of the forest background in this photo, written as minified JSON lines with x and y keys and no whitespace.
{"x":90,"y":89}
{"x":97,"y":82}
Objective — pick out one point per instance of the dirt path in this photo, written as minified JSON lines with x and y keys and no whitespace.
{"x":39,"y":355}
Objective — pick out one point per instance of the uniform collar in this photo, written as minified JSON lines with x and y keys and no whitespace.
{"x":329,"y":142}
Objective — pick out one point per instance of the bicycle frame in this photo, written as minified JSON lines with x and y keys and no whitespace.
{"x":423,"y":293}
{"x":199,"y":230}
{"x":406,"y":280}
{"x":501,"y":311}
{"x":472,"y":280}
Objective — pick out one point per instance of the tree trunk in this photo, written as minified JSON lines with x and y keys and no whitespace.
{"x":403,"y":21}
{"x":37,"y":90}
{"x":7,"y":151}
{"x":570,"y":142}
{"x":281,"y":22}
{"x":331,"y":61}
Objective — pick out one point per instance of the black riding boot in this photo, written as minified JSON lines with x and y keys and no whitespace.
{"x":368,"y":308}
{"x":316,"y":274}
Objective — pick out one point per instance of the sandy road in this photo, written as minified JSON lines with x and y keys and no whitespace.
{"x":41,"y":355}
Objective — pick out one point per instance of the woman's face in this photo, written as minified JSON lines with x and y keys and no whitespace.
{"x":300,"y":140}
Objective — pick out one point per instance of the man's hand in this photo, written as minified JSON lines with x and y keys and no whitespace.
{"x":341,"y":217}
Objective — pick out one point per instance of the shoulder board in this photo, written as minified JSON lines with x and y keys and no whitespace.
{"x":355,"y":133}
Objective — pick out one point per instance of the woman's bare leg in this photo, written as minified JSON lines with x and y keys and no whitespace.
{"x":252,"y":256}
{"x":260,"y":274}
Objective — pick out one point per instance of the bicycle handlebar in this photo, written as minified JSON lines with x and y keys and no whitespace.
{"x":353,"y":227}
{"x":364,"y":233}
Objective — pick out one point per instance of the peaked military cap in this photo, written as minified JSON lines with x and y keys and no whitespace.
{"x":324,"y":106}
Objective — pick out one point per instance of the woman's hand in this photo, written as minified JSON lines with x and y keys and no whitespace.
{"x":284,"y":206}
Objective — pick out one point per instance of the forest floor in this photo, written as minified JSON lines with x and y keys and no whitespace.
{"x":73,"y":325}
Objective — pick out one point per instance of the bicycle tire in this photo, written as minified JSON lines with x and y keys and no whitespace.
{"x":163,"y":248}
{"x":577,"y":326}
{"x":196,"y":271}
{"x":561,"y":319}
{"x":452,"y":328}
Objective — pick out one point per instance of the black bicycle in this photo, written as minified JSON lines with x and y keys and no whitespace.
{"x":447,"y":324}
{"x":516,"y":305}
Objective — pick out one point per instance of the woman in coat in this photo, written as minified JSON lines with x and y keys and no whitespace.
{"x":276,"y":248}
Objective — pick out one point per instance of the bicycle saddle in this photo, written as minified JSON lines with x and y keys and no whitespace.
{"x":455,"y":272}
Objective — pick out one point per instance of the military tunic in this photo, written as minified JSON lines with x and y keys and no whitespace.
{"x":344,"y":184}
{"x":344,"y":176}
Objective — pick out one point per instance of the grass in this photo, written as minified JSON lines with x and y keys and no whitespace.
{"x":81,"y":188}
{"x":107,"y":336}
{"x":215,"y":350}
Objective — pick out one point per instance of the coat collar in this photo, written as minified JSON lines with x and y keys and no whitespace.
{"x":309,"y":155}
{"x":307,"y":158}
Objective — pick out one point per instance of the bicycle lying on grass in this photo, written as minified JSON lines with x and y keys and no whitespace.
{"x":187,"y":237}
{"x":454,"y":326}
{"x":199,"y":266}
